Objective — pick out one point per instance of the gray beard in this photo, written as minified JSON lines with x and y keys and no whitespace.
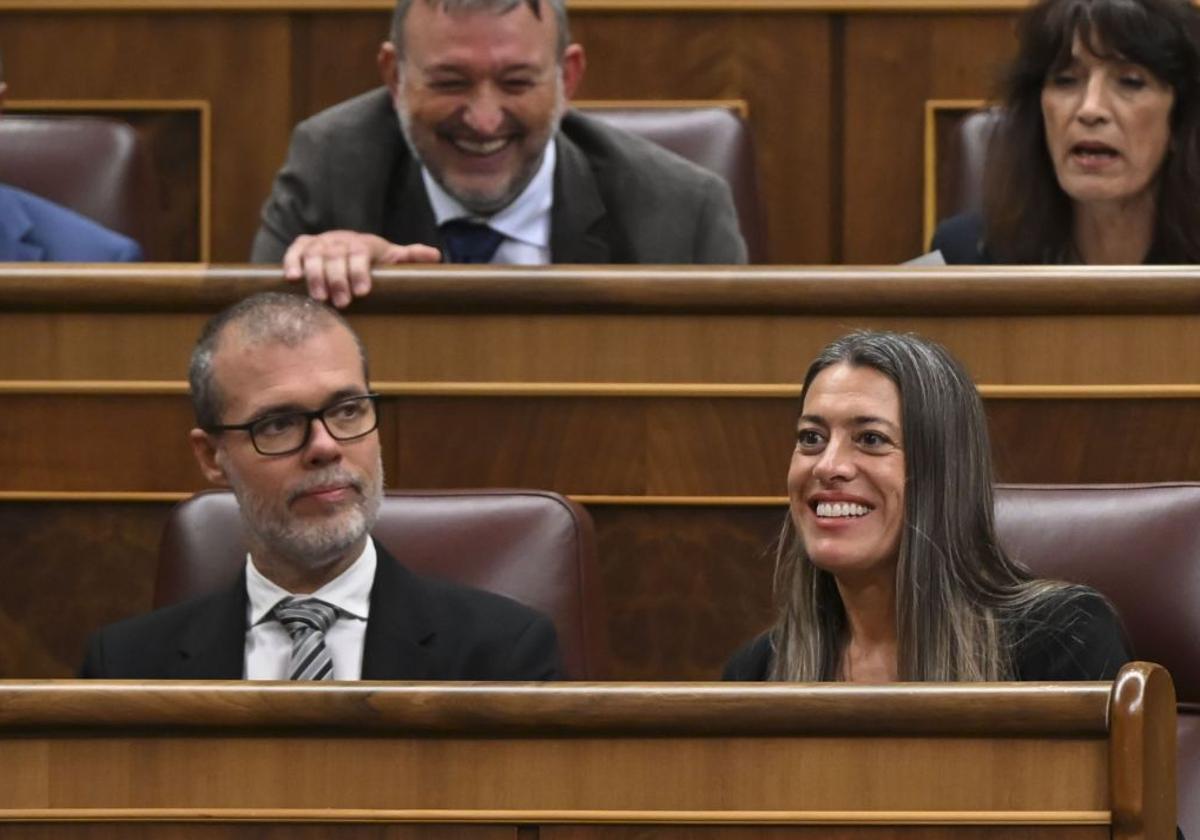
{"x":309,"y":545}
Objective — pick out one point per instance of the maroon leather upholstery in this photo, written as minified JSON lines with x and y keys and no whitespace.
{"x":965,"y":191}
{"x":710,"y":136}
{"x":1140,"y":546}
{"x":535,"y":547}
{"x":94,"y":165}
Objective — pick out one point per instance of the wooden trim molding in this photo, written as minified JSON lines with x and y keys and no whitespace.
{"x":988,"y":710}
{"x":629,"y":390}
{"x":577,"y":6}
{"x":930,"y":185}
{"x":891,"y":291}
{"x":452,"y":816}
{"x":739,"y":106}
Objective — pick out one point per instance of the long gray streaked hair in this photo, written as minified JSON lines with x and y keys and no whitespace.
{"x":498,"y":7}
{"x":957,"y":593}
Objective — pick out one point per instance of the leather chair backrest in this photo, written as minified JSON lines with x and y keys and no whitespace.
{"x":533,"y":546}
{"x":1140,"y":546}
{"x":95,"y":166}
{"x":967,"y":163}
{"x":711,"y":136}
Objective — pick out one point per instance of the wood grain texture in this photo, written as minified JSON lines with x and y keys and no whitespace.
{"x":638,"y":446}
{"x":1142,"y":725}
{"x":892,"y":65}
{"x":92,"y":563}
{"x":239,"y":63}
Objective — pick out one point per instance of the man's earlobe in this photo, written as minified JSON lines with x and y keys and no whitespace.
{"x":389,"y":66}
{"x":574,"y":62}
{"x":204,"y":448}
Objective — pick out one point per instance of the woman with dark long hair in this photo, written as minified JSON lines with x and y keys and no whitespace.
{"x":1096,"y":157}
{"x":888,"y":566}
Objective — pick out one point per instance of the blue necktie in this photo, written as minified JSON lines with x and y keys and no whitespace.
{"x":470,"y":242}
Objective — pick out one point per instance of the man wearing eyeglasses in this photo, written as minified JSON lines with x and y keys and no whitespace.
{"x":286,"y":419}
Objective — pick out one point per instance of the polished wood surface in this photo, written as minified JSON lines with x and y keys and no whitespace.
{"x":637,"y":393}
{"x":902,"y":757}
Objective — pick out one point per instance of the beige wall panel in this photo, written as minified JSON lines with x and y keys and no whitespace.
{"x":893,"y":63}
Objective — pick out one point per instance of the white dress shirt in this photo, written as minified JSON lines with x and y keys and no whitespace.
{"x":525,"y":222}
{"x":268,"y":646}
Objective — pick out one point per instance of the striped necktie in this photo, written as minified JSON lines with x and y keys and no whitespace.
{"x":306,"y":621}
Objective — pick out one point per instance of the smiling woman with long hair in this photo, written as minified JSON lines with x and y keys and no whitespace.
{"x":888,"y":566}
{"x":1096,"y":157}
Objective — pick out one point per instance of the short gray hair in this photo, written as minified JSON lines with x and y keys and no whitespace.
{"x":497,"y":7}
{"x":264,"y":318}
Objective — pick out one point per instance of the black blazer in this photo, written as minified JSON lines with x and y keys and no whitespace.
{"x":960,"y":239}
{"x":1064,"y":639}
{"x":418,"y":629}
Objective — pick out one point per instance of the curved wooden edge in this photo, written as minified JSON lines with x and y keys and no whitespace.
{"x":765,"y":290}
{"x":497,"y":709}
{"x":340,"y":815}
{"x":577,"y":6}
{"x":1142,"y":753}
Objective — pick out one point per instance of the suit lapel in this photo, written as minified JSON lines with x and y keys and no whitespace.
{"x":578,"y":219}
{"x":15,"y":227}
{"x":399,"y":631}
{"x":213,"y":646}
{"x":408,"y":215}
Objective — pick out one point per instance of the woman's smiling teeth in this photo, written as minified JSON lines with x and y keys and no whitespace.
{"x":841,"y":509}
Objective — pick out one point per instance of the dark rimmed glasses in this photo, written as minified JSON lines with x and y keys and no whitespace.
{"x":289,"y":431}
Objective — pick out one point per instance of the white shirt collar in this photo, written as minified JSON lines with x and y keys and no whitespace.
{"x":350,"y":591}
{"x":526,"y":219}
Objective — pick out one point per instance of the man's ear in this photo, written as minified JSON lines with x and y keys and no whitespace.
{"x":574,"y":62}
{"x":204,"y":447}
{"x":389,"y":67}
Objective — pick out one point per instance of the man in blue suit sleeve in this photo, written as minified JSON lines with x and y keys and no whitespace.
{"x":33,"y":229}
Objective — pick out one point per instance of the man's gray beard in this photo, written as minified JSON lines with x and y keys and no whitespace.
{"x":488,"y":208}
{"x":309,"y":545}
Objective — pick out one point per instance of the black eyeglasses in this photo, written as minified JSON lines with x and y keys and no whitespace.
{"x":288,"y":432}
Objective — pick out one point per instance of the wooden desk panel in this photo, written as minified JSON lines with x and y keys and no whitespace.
{"x":593,"y":761}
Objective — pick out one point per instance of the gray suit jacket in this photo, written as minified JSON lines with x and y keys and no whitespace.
{"x":617,"y":198}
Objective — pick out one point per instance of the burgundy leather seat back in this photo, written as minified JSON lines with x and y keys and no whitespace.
{"x":710,"y":136}
{"x":973,"y":137}
{"x":535,"y":547}
{"x":95,"y":166}
{"x":1140,"y":546}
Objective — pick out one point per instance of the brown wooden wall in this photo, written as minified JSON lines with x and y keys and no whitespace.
{"x":836,"y":92}
{"x":665,"y":402}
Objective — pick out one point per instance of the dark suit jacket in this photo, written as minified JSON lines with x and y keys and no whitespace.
{"x":33,"y":229}
{"x":1078,"y":638}
{"x":617,"y":198}
{"x":960,"y":239}
{"x":418,"y":629}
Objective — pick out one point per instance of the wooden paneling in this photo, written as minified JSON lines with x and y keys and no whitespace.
{"x":68,"y":569}
{"x":238,"y":63}
{"x":892,"y":65}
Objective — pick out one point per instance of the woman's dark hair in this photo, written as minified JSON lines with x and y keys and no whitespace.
{"x":958,"y":595}
{"x":1028,"y":216}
